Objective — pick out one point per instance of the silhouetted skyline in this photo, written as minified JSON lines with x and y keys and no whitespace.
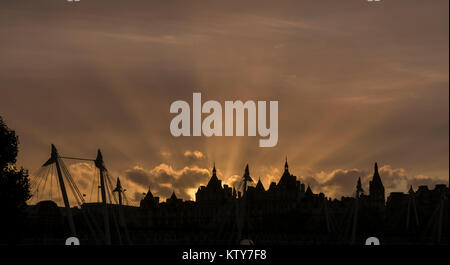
{"x":287,"y":212}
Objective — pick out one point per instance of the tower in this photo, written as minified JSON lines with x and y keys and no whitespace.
{"x":288,"y":182}
{"x":149,"y":201}
{"x":359,"y":189}
{"x":214,"y":183}
{"x":376,"y":189}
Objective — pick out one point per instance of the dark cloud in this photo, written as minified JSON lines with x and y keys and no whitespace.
{"x":398,"y":179}
{"x":341,"y":182}
{"x":139,"y":176}
{"x":163,"y":180}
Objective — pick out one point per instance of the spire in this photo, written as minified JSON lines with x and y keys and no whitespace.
{"x":308,"y":191}
{"x":359,"y":186}
{"x":260,"y":186}
{"x":214,"y":181}
{"x":119,"y":190}
{"x":118,"y":183}
{"x":411,"y":191}
{"x":286,"y":166}
{"x":376,"y":176}
{"x":246,"y":176}
{"x":118,"y":186}
{"x":173,"y":197}
{"x":286,"y":179}
{"x":359,"y":189}
{"x":148,"y":195}
{"x":99,"y":161}
{"x":376,"y":188}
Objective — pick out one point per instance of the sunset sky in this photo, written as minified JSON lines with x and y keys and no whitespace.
{"x":356,"y":81}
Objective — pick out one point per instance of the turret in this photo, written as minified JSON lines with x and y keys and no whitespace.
{"x":309,"y":192}
{"x":376,"y":189}
{"x":214,"y":182}
{"x":259,"y":186}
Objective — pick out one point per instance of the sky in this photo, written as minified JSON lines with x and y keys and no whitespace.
{"x":356,"y":82}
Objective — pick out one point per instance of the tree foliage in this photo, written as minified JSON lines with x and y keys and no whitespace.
{"x":14,"y":186}
{"x":8,"y":145}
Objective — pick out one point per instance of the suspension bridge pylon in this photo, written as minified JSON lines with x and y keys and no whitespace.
{"x":55,"y":158}
{"x":101,"y":167}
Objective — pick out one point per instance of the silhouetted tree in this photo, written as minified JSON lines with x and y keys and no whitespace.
{"x":14,"y":187}
{"x":8,"y":145}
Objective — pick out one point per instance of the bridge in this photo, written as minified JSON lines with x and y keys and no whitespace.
{"x":42,"y":182}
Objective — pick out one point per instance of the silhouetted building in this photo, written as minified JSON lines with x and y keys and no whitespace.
{"x":213,"y":191}
{"x":173,"y":200}
{"x":149,"y":202}
{"x":376,"y":189}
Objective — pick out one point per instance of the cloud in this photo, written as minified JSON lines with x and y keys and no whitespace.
{"x":194,"y":157}
{"x":233,"y":181}
{"x":166,"y":154}
{"x":336,"y":183}
{"x":46,"y":183}
{"x":397,"y":179}
{"x":84,"y":173}
{"x":163,"y":179}
{"x":342,"y":182}
{"x":194,"y":154}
